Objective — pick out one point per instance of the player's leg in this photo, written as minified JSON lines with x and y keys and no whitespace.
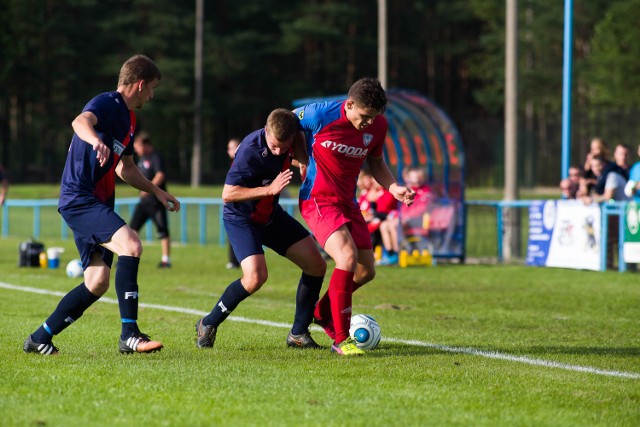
{"x":246,"y":240}
{"x":254,"y":275}
{"x":305,"y":254}
{"x":71,"y":307}
{"x":290,"y":239}
{"x":343,"y":250}
{"x":126,"y":244}
{"x":140,"y":216}
{"x":365,"y":270}
{"x":162,"y":226}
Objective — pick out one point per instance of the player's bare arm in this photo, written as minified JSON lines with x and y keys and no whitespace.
{"x":83,"y":126}
{"x":129,"y":173}
{"x":380,"y":171}
{"x":237,"y":193}
{"x":300,"y":149}
{"x":300,"y":155}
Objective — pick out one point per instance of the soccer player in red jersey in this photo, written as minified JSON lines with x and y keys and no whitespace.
{"x":340,"y":136}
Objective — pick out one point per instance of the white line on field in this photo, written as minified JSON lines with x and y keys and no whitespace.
{"x":449,"y":349}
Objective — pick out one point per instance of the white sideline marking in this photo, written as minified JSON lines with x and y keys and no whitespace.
{"x":449,"y":349}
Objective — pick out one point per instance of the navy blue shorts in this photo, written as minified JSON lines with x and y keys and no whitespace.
{"x":92,"y":224}
{"x":247,"y":238}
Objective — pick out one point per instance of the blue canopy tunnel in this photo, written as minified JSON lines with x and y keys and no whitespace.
{"x":422,"y":135}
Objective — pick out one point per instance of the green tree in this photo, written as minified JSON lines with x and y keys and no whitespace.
{"x":614,"y":69}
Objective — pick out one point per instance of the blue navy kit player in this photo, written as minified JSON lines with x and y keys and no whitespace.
{"x":253,"y":218}
{"x":100,"y":149}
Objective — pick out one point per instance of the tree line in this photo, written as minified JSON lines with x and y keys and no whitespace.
{"x":263,"y":54}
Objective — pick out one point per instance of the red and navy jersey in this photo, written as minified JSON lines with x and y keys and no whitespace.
{"x":255,"y":166}
{"x":83,"y":179}
{"x":336,"y":150}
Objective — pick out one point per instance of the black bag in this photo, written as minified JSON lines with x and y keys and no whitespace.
{"x":30,"y":253}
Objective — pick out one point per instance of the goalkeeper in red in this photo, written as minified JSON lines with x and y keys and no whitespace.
{"x":340,"y":136}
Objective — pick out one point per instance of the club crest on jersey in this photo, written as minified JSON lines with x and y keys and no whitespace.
{"x":301,"y":114}
{"x":367,"y":138}
{"x":118,"y":148}
{"x":265,"y":152}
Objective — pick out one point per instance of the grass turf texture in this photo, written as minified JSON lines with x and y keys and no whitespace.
{"x":252,"y":378}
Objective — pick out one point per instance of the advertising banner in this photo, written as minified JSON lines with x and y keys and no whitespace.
{"x":631,"y":247}
{"x":564,"y":233}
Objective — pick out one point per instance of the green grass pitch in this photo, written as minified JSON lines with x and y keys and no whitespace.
{"x":463,"y":345}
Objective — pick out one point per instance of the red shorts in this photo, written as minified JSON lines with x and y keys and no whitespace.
{"x":325,"y":216}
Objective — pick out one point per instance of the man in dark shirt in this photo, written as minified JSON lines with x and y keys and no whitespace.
{"x":151,"y":166}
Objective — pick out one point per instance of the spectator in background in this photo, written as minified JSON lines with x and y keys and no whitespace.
{"x":4,"y":185}
{"x":632,"y":189}
{"x":621,"y":157}
{"x":415,"y":178}
{"x":232,"y":146}
{"x":570,"y":186}
{"x":610,"y":186}
{"x":610,"y":181}
{"x":152,"y":167}
{"x":597,"y":147}
{"x":375,"y":203}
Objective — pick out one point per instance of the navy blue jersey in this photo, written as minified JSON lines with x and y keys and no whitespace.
{"x":255,"y":166}
{"x":83,"y":179}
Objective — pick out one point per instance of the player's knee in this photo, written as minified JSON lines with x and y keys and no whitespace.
{"x":254,"y":280}
{"x":317,"y":269}
{"x":365,"y":276}
{"x":135,"y":248}
{"x":348,"y":261}
{"x":97,"y":284}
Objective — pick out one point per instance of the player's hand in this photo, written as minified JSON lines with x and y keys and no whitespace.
{"x":102,"y":152}
{"x":402,"y":193}
{"x":170,"y":203}
{"x":282,"y":180}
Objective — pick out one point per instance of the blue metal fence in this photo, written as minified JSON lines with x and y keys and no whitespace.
{"x":186,"y":221}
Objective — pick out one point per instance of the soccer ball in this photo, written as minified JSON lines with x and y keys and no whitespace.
{"x":365,"y":331}
{"x":74,"y":268}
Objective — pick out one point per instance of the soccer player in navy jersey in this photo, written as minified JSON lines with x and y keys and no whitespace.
{"x":253,"y":218}
{"x":340,"y":136}
{"x":100,"y":149}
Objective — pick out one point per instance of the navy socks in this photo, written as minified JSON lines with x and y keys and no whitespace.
{"x":231,"y":297}
{"x":70,"y":309}
{"x":306,"y":298}
{"x":127,"y":291}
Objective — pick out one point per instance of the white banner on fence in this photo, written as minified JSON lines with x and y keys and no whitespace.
{"x":564,"y":233}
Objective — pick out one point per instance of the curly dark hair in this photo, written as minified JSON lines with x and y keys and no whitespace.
{"x":368,"y":93}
